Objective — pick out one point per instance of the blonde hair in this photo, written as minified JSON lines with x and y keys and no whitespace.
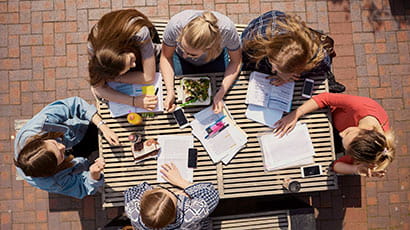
{"x":292,"y":47}
{"x":157,"y":208}
{"x":372,"y":147}
{"x":203,"y":33}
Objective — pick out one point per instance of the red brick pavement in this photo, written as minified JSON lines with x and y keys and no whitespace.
{"x":43,"y":58}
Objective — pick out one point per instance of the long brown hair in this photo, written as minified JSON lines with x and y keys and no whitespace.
{"x":373,"y":147}
{"x":203,"y":33}
{"x":157,"y":208}
{"x":110,"y":38}
{"x":37,"y":161}
{"x":292,"y":47}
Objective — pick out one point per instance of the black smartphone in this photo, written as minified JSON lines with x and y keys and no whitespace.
{"x":180,"y":118}
{"x":308,"y":171}
{"x":308,"y":88}
{"x":192,"y":157}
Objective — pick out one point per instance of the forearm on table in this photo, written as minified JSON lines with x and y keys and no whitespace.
{"x":110,"y":94}
{"x":343,"y":168}
{"x":167,"y":72}
{"x":231,"y":73}
{"x":307,"y":107}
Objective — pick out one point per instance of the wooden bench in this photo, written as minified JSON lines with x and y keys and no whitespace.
{"x":244,"y":176}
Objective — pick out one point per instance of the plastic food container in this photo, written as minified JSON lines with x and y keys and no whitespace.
{"x":195,"y":91}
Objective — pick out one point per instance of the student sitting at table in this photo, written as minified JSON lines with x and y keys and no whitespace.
{"x":284,"y":47}
{"x":121,"y":49}
{"x":197,"y":41}
{"x":161,"y":208}
{"x":42,"y":144}
{"x":364,"y":127}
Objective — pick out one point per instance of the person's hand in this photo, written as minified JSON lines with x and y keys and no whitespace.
{"x":379,"y":174}
{"x":218,"y":104}
{"x":109,"y":135}
{"x":97,"y":168}
{"x":364,"y":170}
{"x":169,"y":105}
{"x":286,"y":124}
{"x":278,"y":80}
{"x":171,"y":174}
{"x":148,"y":102}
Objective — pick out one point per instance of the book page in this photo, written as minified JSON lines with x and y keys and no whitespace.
{"x":293,"y":149}
{"x":263,"y":115}
{"x":259,"y":89}
{"x":118,"y":109}
{"x":281,"y":97}
{"x":174,"y":148}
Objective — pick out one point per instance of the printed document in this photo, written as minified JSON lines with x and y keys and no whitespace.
{"x":118,"y":109}
{"x":293,"y":149}
{"x":226,"y":143}
{"x":263,"y":115}
{"x":262,"y":93}
{"x":174,"y":148}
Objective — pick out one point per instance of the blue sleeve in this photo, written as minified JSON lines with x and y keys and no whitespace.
{"x":78,"y":185}
{"x":65,"y":109}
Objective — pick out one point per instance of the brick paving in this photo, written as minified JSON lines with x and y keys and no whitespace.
{"x":43,"y":58}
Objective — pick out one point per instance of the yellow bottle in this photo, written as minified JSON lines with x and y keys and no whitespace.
{"x":134,"y":118}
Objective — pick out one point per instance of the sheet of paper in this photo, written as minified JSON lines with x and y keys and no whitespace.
{"x":281,"y":96}
{"x":263,"y":115}
{"x":118,"y":109}
{"x":226,"y":143}
{"x":174,"y":148}
{"x":294,"y":149}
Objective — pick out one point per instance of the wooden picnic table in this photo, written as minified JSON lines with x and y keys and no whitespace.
{"x":244,"y":176}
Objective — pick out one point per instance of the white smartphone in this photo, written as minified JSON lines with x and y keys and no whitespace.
{"x":310,"y":171}
{"x":180,"y":118}
{"x":308,"y":88}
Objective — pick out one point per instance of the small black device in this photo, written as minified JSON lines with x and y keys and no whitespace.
{"x":192,"y":157}
{"x":309,"y":171}
{"x":308,"y":88}
{"x":180,"y":118}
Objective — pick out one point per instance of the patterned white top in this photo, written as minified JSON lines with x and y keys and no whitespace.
{"x":192,"y":211}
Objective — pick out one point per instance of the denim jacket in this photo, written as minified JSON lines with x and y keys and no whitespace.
{"x":72,"y":117}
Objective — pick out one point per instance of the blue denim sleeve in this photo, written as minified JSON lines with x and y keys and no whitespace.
{"x":79,"y":184}
{"x":65,"y":109}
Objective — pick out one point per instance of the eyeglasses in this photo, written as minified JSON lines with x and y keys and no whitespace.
{"x":169,"y":190}
{"x":181,"y":49}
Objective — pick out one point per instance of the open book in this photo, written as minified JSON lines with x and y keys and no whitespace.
{"x":219,"y":134}
{"x":262,"y":93}
{"x":118,"y":109}
{"x":293,"y":149}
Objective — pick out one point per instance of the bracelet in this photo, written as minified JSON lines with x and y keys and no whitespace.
{"x":100,"y":123}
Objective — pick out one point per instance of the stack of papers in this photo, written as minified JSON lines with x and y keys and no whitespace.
{"x":267,"y":102}
{"x":118,"y":109}
{"x":174,"y":149}
{"x":293,"y":149}
{"x":223,"y":145}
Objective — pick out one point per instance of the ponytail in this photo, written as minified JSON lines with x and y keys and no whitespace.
{"x":373,"y":148}
{"x":203,"y":33}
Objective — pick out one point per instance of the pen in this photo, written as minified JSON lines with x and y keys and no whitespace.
{"x":156,"y":91}
{"x":214,"y":134}
{"x":218,"y":120}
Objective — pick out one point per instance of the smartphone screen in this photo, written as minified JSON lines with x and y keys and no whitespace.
{"x":311,"y":170}
{"x":308,"y":88}
{"x":192,"y":158}
{"x":180,"y":117}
